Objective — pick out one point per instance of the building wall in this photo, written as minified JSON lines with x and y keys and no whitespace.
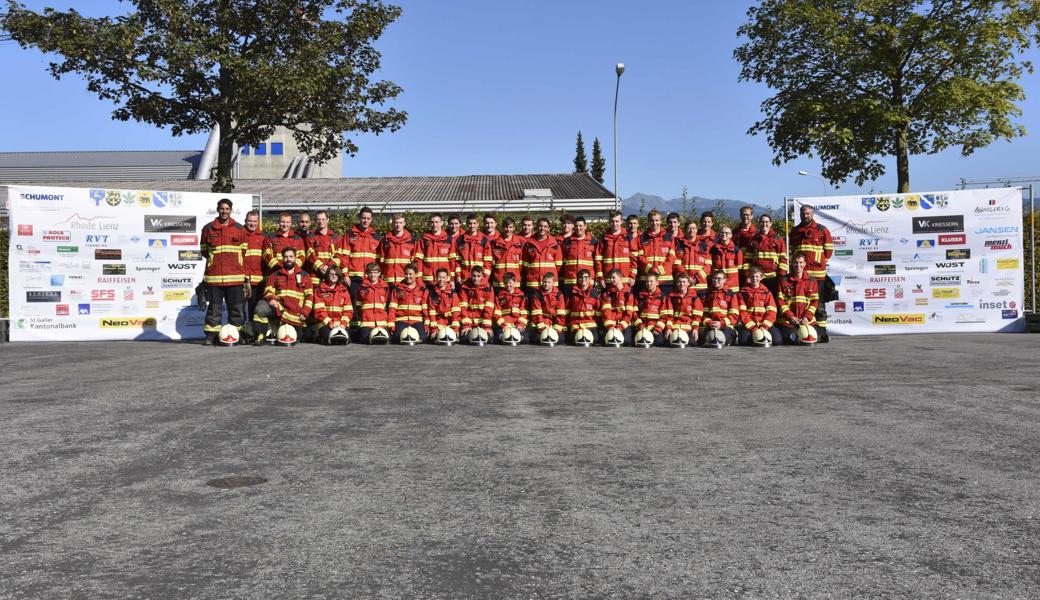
{"x":272,"y":159}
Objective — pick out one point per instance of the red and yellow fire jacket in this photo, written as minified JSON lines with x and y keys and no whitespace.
{"x":434,"y":251}
{"x":396,"y":251}
{"x":650,"y":310}
{"x":577,"y":254}
{"x":757,"y":307}
{"x":332,"y":305}
{"x":357,"y":248}
{"x":476,"y":305}
{"x":508,"y":256}
{"x":694,"y":258}
{"x":276,"y":243}
{"x":254,"y":257}
{"x":372,"y":300}
{"x":444,"y":307}
{"x":409,"y":305}
{"x":729,"y":259}
{"x":583,"y":308}
{"x":224,"y":246}
{"x":656,"y":254}
{"x":769,"y":253}
{"x":682,"y":311}
{"x":541,"y":257}
{"x":472,"y":251}
{"x":616,"y":251}
{"x":617,"y":307}
{"x":798,"y":297}
{"x":511,"y":308}
{"x":294,"y":290}
{"x":742,"y":238}
{"x":816,"y":242}
{"x":722,"y":306}
{"x":547,"y":309}
{"x":321,"y":251}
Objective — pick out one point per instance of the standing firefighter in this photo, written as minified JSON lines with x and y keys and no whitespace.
{"x":814,"y":241}
{"x":223,"y":245}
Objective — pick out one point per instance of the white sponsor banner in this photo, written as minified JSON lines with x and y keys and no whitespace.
{"x":107,"y":264}
{"x":927,"y":262}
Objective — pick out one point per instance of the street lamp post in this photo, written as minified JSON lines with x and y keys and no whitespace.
{"x":822,"y":180}
{"x":619,"y":69}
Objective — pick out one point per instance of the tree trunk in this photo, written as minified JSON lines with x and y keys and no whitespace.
{"x":224,"y":182}
{"x":902,"y":160}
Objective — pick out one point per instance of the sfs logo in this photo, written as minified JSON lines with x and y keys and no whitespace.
{"x":103,"y":295}
{"x":181,"y":266}
{"x":875,"y":293}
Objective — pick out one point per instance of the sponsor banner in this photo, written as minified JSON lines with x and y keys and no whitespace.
{"x":108,"y":264}
{"x":926,"y":262}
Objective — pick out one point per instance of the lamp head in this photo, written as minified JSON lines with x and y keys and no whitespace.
{"x":619,"y":69}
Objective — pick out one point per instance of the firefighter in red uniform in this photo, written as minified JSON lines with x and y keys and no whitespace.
{"x":223,"y":245}
{"x":682,"y":309}
{"x":508,"y":254}
{"x":281,"y":239}
{"x":333,"y":307}
{"x":358,"y":247}
{"x":288,"y":298}
{"x":254,"y":268}
{"x":617,"y":307}
{"x":471,"y":250}
{"x":727,"y":257}
{"x":372,"y":299}
{"x":798,"y":298}
{"x":409,"y":306}
{"x":583,"y":308}
{"x":476,"y":303}
{"x":444,"y":304}
{"x":815,"y":241}
{"x":674,"y":225}
{"x":655,"y":253}
{"x":757,"y":310}
{"x":768,"y":252}
{"x":321,"y":246}
{"x":720,"y":308}
{"x":706,"y":233}
{"x":511,"y":309}
{"x":454,"y":231}
{"x":396,"y":249}
{"x":650,"y":308}
{"x":579,"y":252}
{"x":527,"y":227}
{"x":566,"y":228}
{"x":547,"y":307}
{"x":434,"y":251}
{"x":490,"y":228}
{"x":615,"y":251}
{"x":303,"y":225}
{"x":744,"y":234}
{"x":542,"y":255}
{"x":632,"y":227}
{"x":693,"y":257}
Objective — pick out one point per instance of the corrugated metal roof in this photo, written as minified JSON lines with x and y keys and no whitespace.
{"x":476,"y":192}
{"x":17,"y":167}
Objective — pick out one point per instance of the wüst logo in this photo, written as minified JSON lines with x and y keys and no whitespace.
{"x":181,"y":266}
{"x":898,"y":319}
{"x":953,"y":264}
{"x":169,"y":223}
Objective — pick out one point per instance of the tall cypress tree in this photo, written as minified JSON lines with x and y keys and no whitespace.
{"x":598,"y":164}
{"x":581,"y":164}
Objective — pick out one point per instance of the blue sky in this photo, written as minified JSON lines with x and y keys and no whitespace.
{"x":499,"y":88}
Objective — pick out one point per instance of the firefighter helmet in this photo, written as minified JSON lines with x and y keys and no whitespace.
{"x":761,"y":338}
{"x":445,"y":336}
{"x":286,"y":335}
{"x":644,"y":338}
{"x":679,"y":338}
{"x":549,"y":337}
{"x":228,"y":335}
{"x":409,"y":336}
{"x":339,"y":337}
{"x":714,"y":338}
{"x":806,"y":335}
{"x":477,"y":336}
{"x":510,"y":335}
{"x":614,"y":337}
{"x":583,"y":337}
{"x":378,"y":335}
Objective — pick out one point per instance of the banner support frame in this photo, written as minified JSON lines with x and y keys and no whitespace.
{"x":787,"y":228}
{"x":1032,"y":248}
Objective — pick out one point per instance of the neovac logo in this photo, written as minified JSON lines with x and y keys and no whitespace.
{"x":899,"y":319}
{"x":169,"y":223}
{"x":948,"y":224}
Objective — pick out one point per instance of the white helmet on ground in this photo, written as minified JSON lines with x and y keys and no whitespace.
{"x":286,"y":335}
{"x":583,"y":337}
{"x":644,"y":338}
{"x":445,"y":336}
{"x":614,"y":337}
{"x":549,"y":337}
{"x":339,"y":337}
{"x":806,"y":335}
{"x":714,"y":338}
{"x":409,"y":336}
{"x":679,"y":338}
{"x":761,"y":338}
{"x":510,"y":335}
{"x":477,"y":336}
{"x":228,"y":335}
{"x":378,"y":335}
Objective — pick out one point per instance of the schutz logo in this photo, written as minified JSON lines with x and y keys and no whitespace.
{"x":946,"y":280}
{"x":948,"y":224}
{"x":899,"y":319}
{"x":167,"y":223}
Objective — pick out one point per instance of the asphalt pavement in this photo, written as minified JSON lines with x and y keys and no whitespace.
{"x":886,"y":467}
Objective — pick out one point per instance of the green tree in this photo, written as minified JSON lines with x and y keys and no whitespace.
{"x":598,"y":164}
{"x":858,"y":80}
{"x":581,"y":163}
{"x":245,"y":66}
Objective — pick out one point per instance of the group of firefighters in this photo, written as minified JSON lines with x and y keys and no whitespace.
{"x":476,"y":282}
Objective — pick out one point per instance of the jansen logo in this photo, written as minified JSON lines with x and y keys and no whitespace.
{"x":169,"y":223}
{"x":184,"y":240}
{"x":128,"y":323}
{"x":948,"y":224}
{"x":1007,"y":229}
{"x":899,"y":319}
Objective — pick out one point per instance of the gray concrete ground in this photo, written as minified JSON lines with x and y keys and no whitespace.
{"x":898,"y":467}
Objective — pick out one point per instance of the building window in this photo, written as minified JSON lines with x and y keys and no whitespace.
{"x":245,"y":150}
{"x":260,"y":150}
{"x":276,"y":148}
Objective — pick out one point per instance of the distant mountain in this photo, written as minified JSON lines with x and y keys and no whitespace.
{"x":641,"y":204}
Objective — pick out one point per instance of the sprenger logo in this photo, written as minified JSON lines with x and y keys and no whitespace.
{"x":899,"y":319}
{"x":128,"y":323}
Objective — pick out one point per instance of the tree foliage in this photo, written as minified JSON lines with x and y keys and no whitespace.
{"x":599,"y":166}
{"x":247,"y":66}
{"x":581,"y":162}
{"x":857,"y":80}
